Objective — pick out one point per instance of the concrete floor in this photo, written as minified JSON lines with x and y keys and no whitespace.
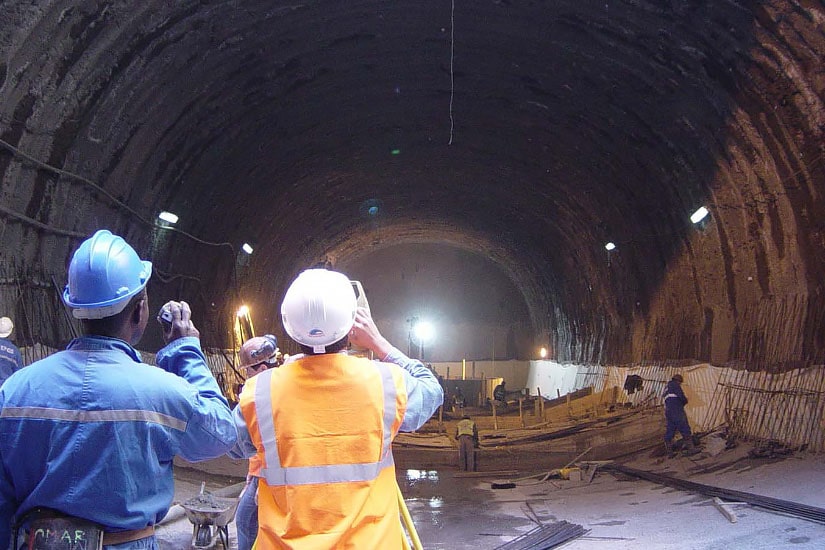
{"x":466,"y":513}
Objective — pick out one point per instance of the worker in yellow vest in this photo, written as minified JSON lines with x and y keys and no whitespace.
{"x":323,"y":424}
{"x":466,"y":432}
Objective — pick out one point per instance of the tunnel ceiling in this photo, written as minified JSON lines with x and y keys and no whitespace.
{"x":529,"y":133}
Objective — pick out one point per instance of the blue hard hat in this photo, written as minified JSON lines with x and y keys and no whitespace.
{"x":104,"y":274}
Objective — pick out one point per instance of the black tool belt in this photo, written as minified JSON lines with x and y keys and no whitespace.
{"x":47,"y":529}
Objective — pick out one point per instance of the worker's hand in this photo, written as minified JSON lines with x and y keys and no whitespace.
{"x":181,"y":324}
{"x":364,"y":334}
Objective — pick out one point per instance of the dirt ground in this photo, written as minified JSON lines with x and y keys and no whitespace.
{"x":452,"y":510}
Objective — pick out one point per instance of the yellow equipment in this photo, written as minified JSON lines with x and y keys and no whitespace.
{"x":408,"y":524}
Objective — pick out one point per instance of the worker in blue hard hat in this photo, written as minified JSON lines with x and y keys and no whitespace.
{"x":89,"y":433}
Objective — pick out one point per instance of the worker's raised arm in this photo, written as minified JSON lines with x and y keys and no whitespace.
{"x":424,"y":393}
{"x":365,"y":334}
{"x":210,"y":429}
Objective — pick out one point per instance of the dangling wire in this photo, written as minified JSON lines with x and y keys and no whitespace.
{"x":452,"y":51}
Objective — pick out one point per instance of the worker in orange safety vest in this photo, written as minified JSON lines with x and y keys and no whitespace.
{"x":323,"y":424}
{"x":256,"y":355}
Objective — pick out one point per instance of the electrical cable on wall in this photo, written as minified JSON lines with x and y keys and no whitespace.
{"x":59,"y":171}
{"x":166,"y":278}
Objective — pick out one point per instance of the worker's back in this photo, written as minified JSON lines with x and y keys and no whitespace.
{"x":499,"y":393}
{"x":110,"y":430}
{"x":328,"y":480}
{"x":466,"y":427}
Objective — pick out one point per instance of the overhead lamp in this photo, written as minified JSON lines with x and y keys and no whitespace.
{"x":424,"y":331}
{"x":609,"y":246}
{"x":699,"y":215}
{"x":168,"y":217}
{"x":246,"y":248}
{"x":243,"y":311}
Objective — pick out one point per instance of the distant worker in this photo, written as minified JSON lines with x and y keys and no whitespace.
{"x":11,"y":360}
{"x":466,"y":432}
{"x":500,"y":393}
{"x":323,"y":424}
{"x":257,"y":355}
{"x":676,"y":417}
{"x":89,"y":433}
{"x":458,"y":401}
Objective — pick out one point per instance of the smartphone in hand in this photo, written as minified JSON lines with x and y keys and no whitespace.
{"x":165,"y":318}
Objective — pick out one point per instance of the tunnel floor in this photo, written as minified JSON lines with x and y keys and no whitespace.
{"x":464,"y":513}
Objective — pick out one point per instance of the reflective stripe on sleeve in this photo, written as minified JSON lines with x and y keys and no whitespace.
{"x":276,"y":475}
{"x":117,"y":415}
{"x":390,"y":403}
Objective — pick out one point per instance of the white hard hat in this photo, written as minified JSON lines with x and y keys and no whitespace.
{"x":319,"y":308}
{"x":6,"y":326}
{"x":259,"y":349}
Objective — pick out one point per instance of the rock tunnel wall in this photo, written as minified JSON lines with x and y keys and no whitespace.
{"x":574,"y":124}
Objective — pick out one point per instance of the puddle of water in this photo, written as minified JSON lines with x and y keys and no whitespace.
{"x":455,"y":513}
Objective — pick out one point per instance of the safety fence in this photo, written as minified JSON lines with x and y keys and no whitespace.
{"x":785,"y":408}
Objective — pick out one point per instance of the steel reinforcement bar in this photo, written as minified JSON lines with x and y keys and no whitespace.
{"x":805,"y":511}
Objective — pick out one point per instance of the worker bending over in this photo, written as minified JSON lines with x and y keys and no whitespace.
{"x":89,"y":433}
{"x":466,"y":432}
{"x":323,"y":424}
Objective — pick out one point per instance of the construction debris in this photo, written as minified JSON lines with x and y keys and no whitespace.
{"x":725,"y":509}
{"x":545,"y":537}
{"x":771,"y":449}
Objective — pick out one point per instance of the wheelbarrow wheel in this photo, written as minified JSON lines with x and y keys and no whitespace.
{"x":203,"y":536}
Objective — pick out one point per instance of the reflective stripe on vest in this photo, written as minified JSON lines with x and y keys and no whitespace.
{"x":276,"y":475}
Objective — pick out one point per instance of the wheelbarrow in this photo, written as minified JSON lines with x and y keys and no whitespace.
{"x":210,"y":515}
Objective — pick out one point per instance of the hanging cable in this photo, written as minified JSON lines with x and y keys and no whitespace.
{"x":452,"y":79}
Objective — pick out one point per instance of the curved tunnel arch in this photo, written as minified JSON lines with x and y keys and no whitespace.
{"x":573,"y":125}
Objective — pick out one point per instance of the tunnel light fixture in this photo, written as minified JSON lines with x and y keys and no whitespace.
{"x":424,"y":331}
{"x":168,"y":217}
{"x":699,"y":215}
{"x":243,"y":311}
{"x":609,"y":246}
{"x":246,"y":248}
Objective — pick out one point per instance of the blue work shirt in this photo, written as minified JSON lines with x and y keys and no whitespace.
{"x":674,"y":396}
{"x":91,"y":431}
{"x":10,"y":359}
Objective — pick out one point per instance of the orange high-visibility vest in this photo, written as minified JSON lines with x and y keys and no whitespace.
{"x":323,"y":427}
